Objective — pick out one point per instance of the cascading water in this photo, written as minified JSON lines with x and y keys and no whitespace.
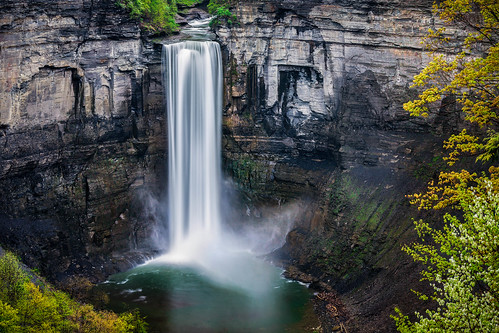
{"x":193,"y":88}
{"x":204,"y":283}
{"x":192,"y":76}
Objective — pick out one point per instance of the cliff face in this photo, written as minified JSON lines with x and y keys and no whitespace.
{"x":314,"y":114}
{"x":326,"y":79}
{"x":81,"y":131}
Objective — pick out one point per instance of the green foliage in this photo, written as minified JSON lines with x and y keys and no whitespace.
{"x":462,"y":260}
{"x":462,"y":267}
{"x":12,"y":279}
{"x":154,"y":15}
{"x":428,"y":170}
{"x":26,"y":307}
{"x":221,"y":10}
{"x":250,"y":173}
{"x":159,"y":15}
{"x":9,"y":318}
{"x":188,"y":3}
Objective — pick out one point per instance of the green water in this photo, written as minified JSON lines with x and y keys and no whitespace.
{"x":176,"y":298}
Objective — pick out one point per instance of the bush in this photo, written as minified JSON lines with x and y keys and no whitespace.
{"x":154,"y":15}
{"x":159,"y":15}
{"x":462,"y":266}
{"x":26,"y":307}
{"x":12,"y":279}
{"x":221,"y":10}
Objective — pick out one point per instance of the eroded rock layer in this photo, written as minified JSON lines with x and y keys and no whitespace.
{"x":314,"y":114}
{"x":81,"y":132}
{"x":313,"y":129}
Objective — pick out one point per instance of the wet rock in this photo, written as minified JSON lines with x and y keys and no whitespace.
{"x":195,"y":14}
{"x":331,"y":311}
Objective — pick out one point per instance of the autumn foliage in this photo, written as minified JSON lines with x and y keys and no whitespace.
{"x":468,"y":70}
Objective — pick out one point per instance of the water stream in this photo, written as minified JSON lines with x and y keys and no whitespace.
{"x":208,"y":281}
{"x":193,"y":85}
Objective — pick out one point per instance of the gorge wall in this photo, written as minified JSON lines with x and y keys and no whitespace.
{"x":314,"y":116}
{"x":81,"y":133}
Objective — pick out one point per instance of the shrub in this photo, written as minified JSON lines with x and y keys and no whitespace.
{"x":221,"y":10}
{"x":12,"y":279}
{"x":159,"y":15}
{"x":27,"y":307}
{"x":154,"y":15}
{"x":462,"y":266}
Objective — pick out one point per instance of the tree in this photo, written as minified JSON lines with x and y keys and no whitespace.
{"x":462,"y":265}
{"x":154,"y":15}
{"x":472,"y":75}
{"x":158,"y":16}
{"x":220,"y":9}
{"x":29,"y":307}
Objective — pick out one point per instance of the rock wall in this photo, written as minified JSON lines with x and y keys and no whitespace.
{"x":314,"y":114}
{"x":81,"y":132}
{"x":313,"y":117}
{"x":326,"y":79}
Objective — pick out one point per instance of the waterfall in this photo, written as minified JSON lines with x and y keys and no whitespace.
{"x":192,"y":76}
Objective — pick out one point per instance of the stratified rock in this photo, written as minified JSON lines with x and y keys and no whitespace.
{"x":314,"y":112}
{"x":81,"y":132}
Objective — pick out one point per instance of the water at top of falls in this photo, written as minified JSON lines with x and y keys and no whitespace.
{"x":193,"y":88}
{"x":199,"y":30}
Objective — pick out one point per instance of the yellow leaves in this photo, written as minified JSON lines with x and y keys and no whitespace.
{"x":452,"y":189}
{"x":446,"y":192}
{"x":89,"y":320}
{"x":416,"y":108}
{"x":467,"y":249}
{"x":473,"y":80}
{"x":461,"y":143}
{"x":434,"y":39}
{"x":9,"y":318}
{"x":429,"y":74}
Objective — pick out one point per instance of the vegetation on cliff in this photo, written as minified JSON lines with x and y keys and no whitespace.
{"x":471,"y":77}
{"x":220,"y":9}
{"x":461,"y":261}
{"x":158,"y":16}
{"x":154,"y":15}
{"x":462,"y":266}
{"x":26,"y":306}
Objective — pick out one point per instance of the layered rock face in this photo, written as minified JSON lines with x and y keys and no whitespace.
{"x":313,"y":117}
{"x":314,"y":113}
{"x":326,"y":78}
{"x":81,"y":131}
